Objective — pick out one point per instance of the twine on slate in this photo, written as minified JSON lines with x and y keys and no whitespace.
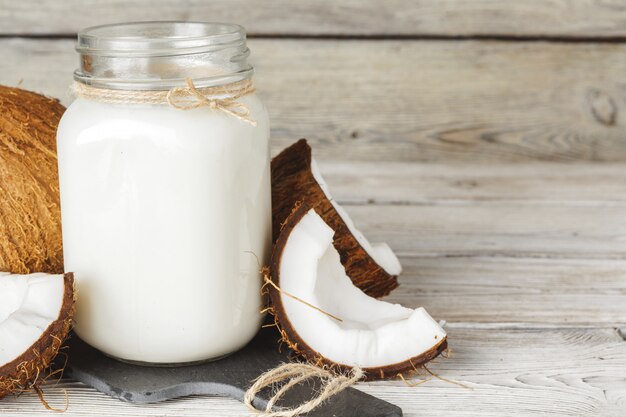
{"x":296,"y":373}
{"x":222,"y":98}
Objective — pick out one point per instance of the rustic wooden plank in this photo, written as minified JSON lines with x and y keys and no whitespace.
{"x":500,"y":230}
{"x":561,"y":18}
{"x":523,"y":372}
{"x":516,"y":291}
{"x":416,"y":100}
{"x":542,"y":183}
{"x":556,"y":372}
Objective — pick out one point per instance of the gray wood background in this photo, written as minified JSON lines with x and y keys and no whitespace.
{"x":484,"y":140}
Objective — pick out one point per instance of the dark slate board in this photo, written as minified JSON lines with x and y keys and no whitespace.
{"x":229,"y":377}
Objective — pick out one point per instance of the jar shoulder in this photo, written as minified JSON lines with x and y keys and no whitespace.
{"x":84,"y":108}
{"x":84,"y":114}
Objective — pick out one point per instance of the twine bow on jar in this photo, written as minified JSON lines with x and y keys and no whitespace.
{"x":221,"y":98}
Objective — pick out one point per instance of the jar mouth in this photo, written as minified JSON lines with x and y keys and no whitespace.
{"x":161,"y":55}
{"x":159,"y":38}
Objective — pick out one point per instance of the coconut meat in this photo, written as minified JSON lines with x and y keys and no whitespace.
{"x":372,"y":333}
{"x":380,"y":252}
{"x":28,"y":305}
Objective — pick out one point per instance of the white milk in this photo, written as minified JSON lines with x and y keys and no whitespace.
{"x":165,"y":213}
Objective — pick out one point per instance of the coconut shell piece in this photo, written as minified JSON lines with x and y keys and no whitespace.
{"x":29,"y":370}
{"x":290,"y":334}
{"x":30,"y":222}
{"x":293,"y":181}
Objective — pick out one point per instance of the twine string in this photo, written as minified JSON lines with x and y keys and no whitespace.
{"x":221,"y":98}
{"x":268,"y":281}
{"x":295,"y":373}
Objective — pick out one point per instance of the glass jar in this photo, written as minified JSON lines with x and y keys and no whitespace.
{"x":165,"y":204}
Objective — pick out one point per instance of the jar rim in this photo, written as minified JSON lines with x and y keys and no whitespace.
{"x":160,"y":55}
{"x":158,"y":38}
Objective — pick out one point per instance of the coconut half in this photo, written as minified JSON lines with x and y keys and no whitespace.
{"x":296,"y":178}
{"x":328,"y":320}
{"x":35,"y":317}
{"x":30,"y":216}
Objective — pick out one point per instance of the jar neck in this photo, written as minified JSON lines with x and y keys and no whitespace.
{"x":162,"y":55}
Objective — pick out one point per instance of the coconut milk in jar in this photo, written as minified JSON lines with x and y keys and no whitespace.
{"x":165,"y":191}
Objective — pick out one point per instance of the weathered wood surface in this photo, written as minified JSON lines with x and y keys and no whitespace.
{"x":533,"y":332}
{"x":417,"y":100}
{"x":539,"y":210}
{"x":533,"y":18}
{"x":500,"y":243}
{"x":516,"y":291}
{"x":497,"y":230}
{"x":525,"y":261}
{"x":530,"y":184}
{"x":522,"y":372}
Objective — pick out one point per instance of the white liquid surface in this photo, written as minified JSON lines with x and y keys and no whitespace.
{"x":163,"y":213}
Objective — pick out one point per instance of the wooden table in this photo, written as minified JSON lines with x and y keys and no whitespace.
{"x":484,"y":140}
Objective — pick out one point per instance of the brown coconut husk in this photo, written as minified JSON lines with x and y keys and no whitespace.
{"x":29,"y":370}
{"x":293,"y":182}
{"x":30,"y":222}
{"x":292,"y":339}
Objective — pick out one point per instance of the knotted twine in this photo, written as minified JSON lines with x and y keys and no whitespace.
{"x":296,"y":373}
{"x":222,"y":98}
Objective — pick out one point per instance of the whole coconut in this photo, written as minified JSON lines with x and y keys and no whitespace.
{"x":30,"y":222}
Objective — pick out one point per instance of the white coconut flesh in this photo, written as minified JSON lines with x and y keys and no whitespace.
{"x":28,"y":305}
{"x":380,"y":252}
{"x":372,"y":333}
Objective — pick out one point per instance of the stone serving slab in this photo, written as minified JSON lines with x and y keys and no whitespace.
{"x":230,"y":376}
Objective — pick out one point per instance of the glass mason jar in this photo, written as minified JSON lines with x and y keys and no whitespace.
{"x":165,"y":203}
